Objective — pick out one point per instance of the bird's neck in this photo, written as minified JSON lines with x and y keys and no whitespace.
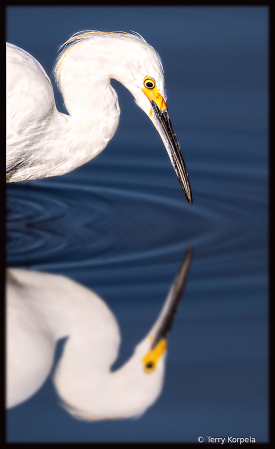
{"x":89,"y":98}
{"x":93,"y":119}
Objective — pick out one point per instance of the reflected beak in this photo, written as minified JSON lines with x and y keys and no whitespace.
{"x":162,"y":122}
{"x":166,"y":318}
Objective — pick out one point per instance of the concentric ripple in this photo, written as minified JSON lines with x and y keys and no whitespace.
{"x":68,"y":224}
{"x":52,"y":223}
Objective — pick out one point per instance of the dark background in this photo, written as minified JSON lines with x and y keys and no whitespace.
{"x":121,"y":224}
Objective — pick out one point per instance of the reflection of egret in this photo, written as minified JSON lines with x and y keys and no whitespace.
{"x":43,"y":142}
{"x":43,"y":308}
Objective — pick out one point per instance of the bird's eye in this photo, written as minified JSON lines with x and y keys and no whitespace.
{"x":149,"y":83}
{"x":149,"y":367}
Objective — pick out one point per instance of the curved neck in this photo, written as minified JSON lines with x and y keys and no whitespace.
{"x":91,"y":392}
{"x":93,"y":119}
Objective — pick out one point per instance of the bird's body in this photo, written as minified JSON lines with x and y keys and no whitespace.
{"x":43,"y":142}
{"x":43,"y":308}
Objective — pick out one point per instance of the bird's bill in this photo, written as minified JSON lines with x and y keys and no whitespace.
{"x":161,"y":329}
{"x":161,"y":120}
{"x":166,"y":318}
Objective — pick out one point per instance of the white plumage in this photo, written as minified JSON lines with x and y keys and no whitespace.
{"x":43,"y":142}
{"x":42,"y":308}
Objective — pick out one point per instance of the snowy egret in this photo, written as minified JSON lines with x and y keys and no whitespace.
{"x":43,"y":142}
{"x":42,"y":308}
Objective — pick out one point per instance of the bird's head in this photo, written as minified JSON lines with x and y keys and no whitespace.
{"x":141,"y":72}
{"x":146,"y":368}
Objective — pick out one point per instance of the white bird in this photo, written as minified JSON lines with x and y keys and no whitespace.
{"x":43,"y":142}
{"x":42,"y":308}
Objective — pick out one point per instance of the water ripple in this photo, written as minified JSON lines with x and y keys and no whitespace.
{"x":68,"y":224}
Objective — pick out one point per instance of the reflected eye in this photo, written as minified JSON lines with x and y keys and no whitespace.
{"x":149,"y":83}
{"x":149,"y":367}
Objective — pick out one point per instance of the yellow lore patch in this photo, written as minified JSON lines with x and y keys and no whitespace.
{"x":151,"y":91}
{"x":152,"y":357}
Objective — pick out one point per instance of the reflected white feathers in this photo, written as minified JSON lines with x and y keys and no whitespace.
{"x":43,"y":308}
{"x":43,"y":142}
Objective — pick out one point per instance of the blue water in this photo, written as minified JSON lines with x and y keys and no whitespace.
{"x":121,"y":224}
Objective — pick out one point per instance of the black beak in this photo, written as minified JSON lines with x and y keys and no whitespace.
{"x":164,"y":323}
{"x":164,"y":127}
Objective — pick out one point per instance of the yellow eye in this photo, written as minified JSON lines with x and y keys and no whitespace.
{"x":149,"y":83}
{"x":149,"y":366}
